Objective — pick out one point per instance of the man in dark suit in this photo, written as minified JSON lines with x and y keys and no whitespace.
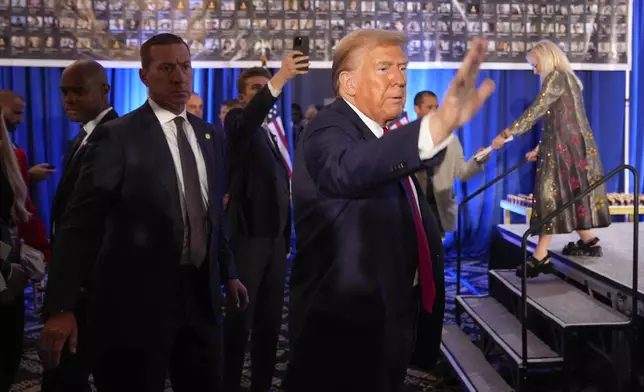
{"x":259,"y":223}
{"x":369,"y":251}
{"x":146,"y":214}
{"x":84,"y":89}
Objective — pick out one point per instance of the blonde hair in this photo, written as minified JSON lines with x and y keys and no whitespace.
{"x":550,"y":58}
{"x":352,"y":46}
{"x":10,"y":167}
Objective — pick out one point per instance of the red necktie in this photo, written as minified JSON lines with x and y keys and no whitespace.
{"x":427,"y":287}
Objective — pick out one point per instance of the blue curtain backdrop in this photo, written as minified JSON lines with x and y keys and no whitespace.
{"x":46,"y":132}
{"x":636,"y":139}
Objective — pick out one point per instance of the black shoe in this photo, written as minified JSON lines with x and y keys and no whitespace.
{"x":535,"y":267}
{"x":581,"y":248}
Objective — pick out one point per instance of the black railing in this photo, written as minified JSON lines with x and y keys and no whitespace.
{"x":534,"y":227}
{"x":459,"y":244}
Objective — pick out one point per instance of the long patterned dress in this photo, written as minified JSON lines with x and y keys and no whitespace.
{"x":568,"y":158}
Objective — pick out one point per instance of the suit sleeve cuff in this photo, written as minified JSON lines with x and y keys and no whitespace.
{"x":426,"y":148}
{"x":274,"y":92}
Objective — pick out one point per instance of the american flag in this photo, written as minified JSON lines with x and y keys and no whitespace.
{"x":276,"y":128}
{"x":402,"y":120}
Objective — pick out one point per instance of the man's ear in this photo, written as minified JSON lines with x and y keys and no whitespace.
{"x":143,"y":75}
{"x":348,"y":83}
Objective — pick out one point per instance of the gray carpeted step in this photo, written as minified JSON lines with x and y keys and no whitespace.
{"x":505,"y":329}
{"x":561,"y":302}
{"x":469,"y":363}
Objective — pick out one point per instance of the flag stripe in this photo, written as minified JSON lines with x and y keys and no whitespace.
{"x":402,"y":120}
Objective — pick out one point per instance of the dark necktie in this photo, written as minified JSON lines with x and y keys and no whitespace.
{"x":425,"y":271}
{"x":76,"y":143}
{"x":195,"y":211}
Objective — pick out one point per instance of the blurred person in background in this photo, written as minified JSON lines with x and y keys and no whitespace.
{"x":14,"y":277}
{"x":195,"y":105}
{"x":259,"y":222}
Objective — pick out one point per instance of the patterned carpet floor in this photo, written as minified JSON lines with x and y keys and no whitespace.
{"x":474,"y":281}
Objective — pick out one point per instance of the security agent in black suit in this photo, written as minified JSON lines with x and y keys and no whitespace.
{"x":84,"y":89}
{"x":146,"y":215}
{"x":259,"y":222}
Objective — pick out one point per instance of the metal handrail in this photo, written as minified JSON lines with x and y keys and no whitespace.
{"x":536,"y":226}
{"x":459,"y":246}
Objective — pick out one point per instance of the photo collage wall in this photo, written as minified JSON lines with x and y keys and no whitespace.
{"x":589,"y":31}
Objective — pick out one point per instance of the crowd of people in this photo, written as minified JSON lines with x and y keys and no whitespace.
{"x":157,"y":210}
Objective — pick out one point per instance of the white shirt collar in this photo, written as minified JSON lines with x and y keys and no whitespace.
{"x":163,"y":115}
{"x":91,"y":125}
{"x":371,"y":124}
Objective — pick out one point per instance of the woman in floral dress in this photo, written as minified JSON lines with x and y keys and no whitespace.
{"x":568,"y":160}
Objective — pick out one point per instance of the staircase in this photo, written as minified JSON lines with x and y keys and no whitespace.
{"x":567,"y":312}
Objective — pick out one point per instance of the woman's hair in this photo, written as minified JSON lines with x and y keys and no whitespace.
{"x":11,"y":169}
{"x":550,"y":57}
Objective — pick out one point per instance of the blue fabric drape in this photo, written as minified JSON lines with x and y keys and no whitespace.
{"x":636,"y":139}
{"x":46,"y":131}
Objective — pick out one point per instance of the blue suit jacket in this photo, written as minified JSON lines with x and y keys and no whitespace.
{"x":352,"y":296}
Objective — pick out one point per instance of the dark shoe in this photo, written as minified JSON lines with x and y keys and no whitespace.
{"x":581,"y":248}
{"x":536,"y":267}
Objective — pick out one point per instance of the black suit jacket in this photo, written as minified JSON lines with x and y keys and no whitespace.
{"x":259,"y":204}
{"x":71,"y":170}
{"x":125,"y":220}
{"x":357,"y":254}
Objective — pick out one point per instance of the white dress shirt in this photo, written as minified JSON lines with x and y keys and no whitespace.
{"x":166,"y":119}
{"x":91,"y":125}
{"x":426,"y":148}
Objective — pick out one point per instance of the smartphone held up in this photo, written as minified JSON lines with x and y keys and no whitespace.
{"x":303,"y":45}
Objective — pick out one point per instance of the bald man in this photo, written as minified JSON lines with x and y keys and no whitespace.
{"x":84,"y":89}
{"x":13,"y":110}
{"x":195,"y":105}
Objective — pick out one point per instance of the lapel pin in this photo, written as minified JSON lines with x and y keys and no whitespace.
{"x":208,"y":136}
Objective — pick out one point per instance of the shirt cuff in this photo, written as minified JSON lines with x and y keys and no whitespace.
{"x":274,"y":92}
{"x":426,"y":148}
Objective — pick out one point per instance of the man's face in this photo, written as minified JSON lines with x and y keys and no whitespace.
{"x":223,"y":111}
{"x":195,"y":105}
{"x":12,"y":113}
{"x":83,"y":98}
{"x":427,"y":105}
{"x":169,"y":76}
{"x":253,"y":85}
{"x":380,"y":84}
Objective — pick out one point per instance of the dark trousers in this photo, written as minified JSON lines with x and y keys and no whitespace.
{"x":261,"y":266}
{"x":332,"y":355}
{"x":12,"y":326}
{"x":72,"y":373}
{"x":186,"y":345}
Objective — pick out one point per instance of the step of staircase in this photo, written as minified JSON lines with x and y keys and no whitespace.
{"x":505,"y":329}
{"x":469,"y":363}
{"x":561,"y":302}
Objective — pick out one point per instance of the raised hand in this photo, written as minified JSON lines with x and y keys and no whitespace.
{"x":463,"y":99}
{"x":295,"y":63}
{"x":532,"y":156}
